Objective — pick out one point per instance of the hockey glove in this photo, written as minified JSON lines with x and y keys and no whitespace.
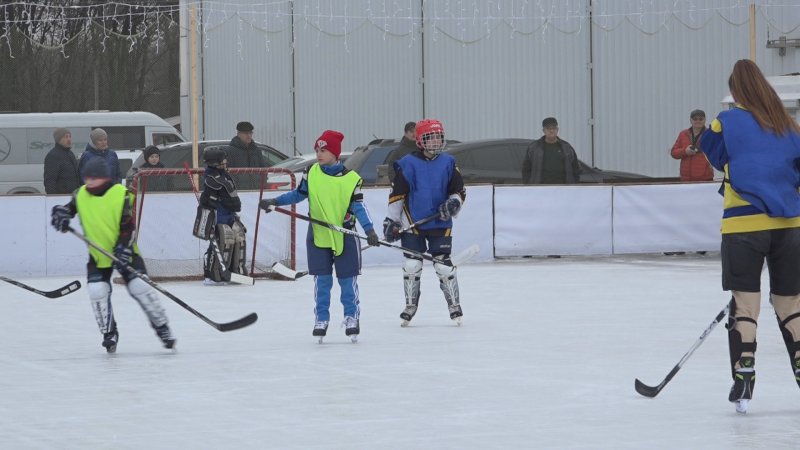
{"x":267,"y":204}
{"x":125,"y":255}
{"x":372,"y":238}
{"x":449,"y":208}
{"x":391,"y":230}
{"x":60,"y":217}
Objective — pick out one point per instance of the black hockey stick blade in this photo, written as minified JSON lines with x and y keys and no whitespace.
{"x":237,"y":324}
{"x":652,"y":391}
{"x":60,"y":292}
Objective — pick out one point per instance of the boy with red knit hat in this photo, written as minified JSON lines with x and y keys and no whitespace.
{"x":334,"y":196}
{"x":426,"y":182}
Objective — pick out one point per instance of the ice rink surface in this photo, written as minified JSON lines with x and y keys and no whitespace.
{"x":546,"y":359}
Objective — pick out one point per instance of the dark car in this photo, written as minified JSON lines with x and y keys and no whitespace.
{"x":173,"y":156}
{"x":499,"y":161}
{"x":369,"y":161}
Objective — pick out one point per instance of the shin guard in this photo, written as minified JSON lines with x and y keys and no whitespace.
{"x":787,"y":312}
{"x":412,"y":269}
{"x":100,"y":295}
{"x":448,"y":283}
{"x":149,"y":301}
{"x":742,"y":330}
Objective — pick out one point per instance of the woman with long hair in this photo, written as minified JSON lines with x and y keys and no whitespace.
{"x":756,"y":145}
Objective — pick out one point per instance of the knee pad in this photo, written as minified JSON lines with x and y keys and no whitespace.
{"x":100,"y":296}
{"x":147,"y":297}
{"x":412,"y":266}
{"x":443,"y":271}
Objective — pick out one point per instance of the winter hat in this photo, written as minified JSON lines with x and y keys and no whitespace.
{"x":59,"y":133}
{"x":697,"y":113}
{"x":244,"y":127}
{"x":151,"y":150}
{"x":97,"y":134}
{"x":331,"y":141}
{"x":96,"y":168}
{"x":549,"y":122}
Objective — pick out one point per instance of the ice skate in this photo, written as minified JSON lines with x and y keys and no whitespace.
{"x":351,"y":328}
{"x":407,"y":315}
{"x":165,"y":335}
{"x":744,"y":380}
{"x":110,"y":340}
{"x":456,"y":314}
{"x":210,"y":282}
{"x":320,"y":329}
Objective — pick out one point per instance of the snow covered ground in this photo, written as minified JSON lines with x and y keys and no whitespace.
{"x":546,"y":358}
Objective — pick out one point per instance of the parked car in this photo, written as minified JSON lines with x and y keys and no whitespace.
{"x":297,"y":165}
{"x":174,"y":156}
{"x":369,"y":161}
{"x":499,"y":161}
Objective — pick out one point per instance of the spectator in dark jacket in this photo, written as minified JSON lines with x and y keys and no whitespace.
{"x":408,"y":145}
{"x":550,"y":159}
{"x":152,"y":160}
{"x":98,"y":148}
{"x":61,"y":175}
{"x":243,"y":152}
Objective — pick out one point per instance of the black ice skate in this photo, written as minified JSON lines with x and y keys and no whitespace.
{"x":165,"y":335}
{"x":351,"y":328}
{"x":320,"y":329}
{"x":456,"y":313}
{"x":407,"y":315}
{"x":797,"y":370}
{"x":744,"y":381}
{"x":110,"y":340}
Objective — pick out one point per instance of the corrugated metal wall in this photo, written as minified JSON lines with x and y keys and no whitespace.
{"x":485,"y":68}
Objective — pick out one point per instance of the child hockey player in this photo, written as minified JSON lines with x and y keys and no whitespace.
{"x":426,"y":181}
{"x":104,"y":207}
{"x":334,"y":196}
{"x":757,"y":146}
{"x":220,"y":196}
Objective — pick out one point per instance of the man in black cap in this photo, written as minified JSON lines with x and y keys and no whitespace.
{"x":550,"y":159}
{"x":408,"y":145}
{"x":61,"y":175}
{"x":243,"y":152}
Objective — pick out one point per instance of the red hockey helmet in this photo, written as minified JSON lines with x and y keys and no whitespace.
{"x":430,"y":136}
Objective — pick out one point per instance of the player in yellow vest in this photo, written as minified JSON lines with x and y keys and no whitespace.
{"x":334,"y":196}
{"x":105,"y":211}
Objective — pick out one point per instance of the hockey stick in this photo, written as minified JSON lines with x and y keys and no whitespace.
{"x":410,"y":227}
{"x":652,"y":391}
{"x":60,"y":292}
{"x":287,"y":272}
{"x":233,"y":277}
{"x":360,"y":236}
{"x":229,"y":326}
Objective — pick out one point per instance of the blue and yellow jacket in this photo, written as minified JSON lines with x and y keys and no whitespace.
{"x":762,"y":173}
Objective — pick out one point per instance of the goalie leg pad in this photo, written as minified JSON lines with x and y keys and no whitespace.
{"x":412,"y":271}
{"x":100,"y":296}
{"x":742,"y":324}
{"x":148,"y":300}
{"x":239,"y":252}
{"x":448,"y":283}
{"x":787,"y":311}
{"x":226,"y":241}
{"x":212,"y":269}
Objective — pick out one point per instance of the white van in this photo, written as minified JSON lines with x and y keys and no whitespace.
{"x":25,"y":139}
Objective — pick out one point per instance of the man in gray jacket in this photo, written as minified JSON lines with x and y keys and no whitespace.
{"x":550,"y":159}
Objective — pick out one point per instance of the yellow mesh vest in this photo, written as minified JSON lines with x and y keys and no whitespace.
{"x":100,"y":218}
{"x":328,"y":200}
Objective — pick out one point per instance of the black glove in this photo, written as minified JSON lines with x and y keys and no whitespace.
{"x":391,"y":230}
{"x":267,"y":204}
{"x":60,"y":217}
{"x":449,"y":208}
{"x":125,"y":255}
{"x":372,"y":238}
